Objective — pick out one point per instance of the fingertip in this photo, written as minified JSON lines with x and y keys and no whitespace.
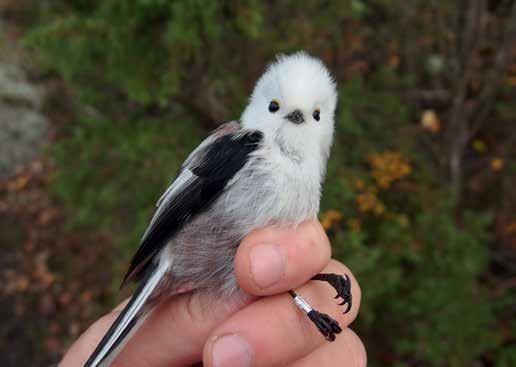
{"x":227,"y":350}
{"x":348,"y":350}
{"x":358,"y":353}
{"x":320,"y":233}
{"x":275,"y":259}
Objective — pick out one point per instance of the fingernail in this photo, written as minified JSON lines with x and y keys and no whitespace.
{"x":231,"y":350}
{"x":267,"y":264}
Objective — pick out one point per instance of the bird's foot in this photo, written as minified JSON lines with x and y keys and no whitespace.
{"x":342,"y":284}
{"x":327,"y":326}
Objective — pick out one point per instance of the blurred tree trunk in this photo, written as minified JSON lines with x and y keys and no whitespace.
{"x":469,"y":112}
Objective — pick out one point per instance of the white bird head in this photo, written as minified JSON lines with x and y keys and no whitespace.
{"x":293,"y":104}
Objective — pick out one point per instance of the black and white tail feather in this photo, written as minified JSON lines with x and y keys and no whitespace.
{"x":127,"y":322}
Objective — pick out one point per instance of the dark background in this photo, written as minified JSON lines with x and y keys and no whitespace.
{"x":101,"y":100}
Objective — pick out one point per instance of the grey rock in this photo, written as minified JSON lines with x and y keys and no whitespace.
{"x":15,"y":89}
{"x":23,"y":128}
{"x":22,"y":134}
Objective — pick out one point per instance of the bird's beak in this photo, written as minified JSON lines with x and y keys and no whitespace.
{"x":296,"y":117}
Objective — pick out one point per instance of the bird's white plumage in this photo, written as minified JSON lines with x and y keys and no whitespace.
{"x":297,"y":81}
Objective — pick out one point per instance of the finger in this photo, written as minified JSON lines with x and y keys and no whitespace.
{"x":347,"y":351}
{"x":273,"y":332}
{"x":172,"y":335}
{"x":276,"y":259}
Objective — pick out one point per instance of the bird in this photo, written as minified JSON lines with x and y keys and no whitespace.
{"x":266,"y":168}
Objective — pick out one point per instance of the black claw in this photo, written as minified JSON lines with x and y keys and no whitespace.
{"x":348,"y":308}
{"x":326,"y":325}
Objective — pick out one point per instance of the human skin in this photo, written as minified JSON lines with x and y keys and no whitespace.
{"x":260,"y":331}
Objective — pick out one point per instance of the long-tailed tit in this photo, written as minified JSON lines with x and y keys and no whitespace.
{"x":266,"y":169}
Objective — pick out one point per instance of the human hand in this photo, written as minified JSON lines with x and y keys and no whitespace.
{"x":267,"y":331}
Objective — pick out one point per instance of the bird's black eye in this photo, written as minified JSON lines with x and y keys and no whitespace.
{"x":273,"y":106}
{"x":316,"y":115}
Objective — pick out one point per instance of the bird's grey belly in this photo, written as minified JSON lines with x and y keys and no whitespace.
{"x":203,"y":251}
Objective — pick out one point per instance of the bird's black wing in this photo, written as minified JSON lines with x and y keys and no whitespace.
{"x":200,"y":182}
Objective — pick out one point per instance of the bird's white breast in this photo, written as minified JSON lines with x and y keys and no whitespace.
{"x":275,"y":188}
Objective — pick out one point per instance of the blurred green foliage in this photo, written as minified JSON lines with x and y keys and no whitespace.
{"x":151,"y":75}
{"x":419,"y":270}
{"x":110,"y":173}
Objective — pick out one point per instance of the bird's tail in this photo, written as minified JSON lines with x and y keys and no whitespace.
{"x":127,"y":322}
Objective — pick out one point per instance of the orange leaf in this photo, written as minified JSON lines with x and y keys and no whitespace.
{"x":430,"y":121}
{"x":497,"y":164}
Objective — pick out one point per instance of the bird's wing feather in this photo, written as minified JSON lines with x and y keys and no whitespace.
{"x":202,"y":179}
